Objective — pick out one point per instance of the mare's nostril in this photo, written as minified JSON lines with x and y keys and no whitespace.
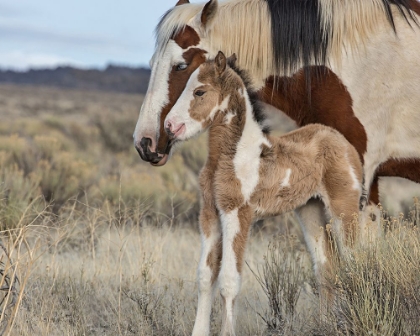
{"x":145,"y":143}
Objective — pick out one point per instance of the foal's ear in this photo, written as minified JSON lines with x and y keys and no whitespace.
{"x":220,"y":61}
{"x":231,"y":60}
{"x":182,"y":2}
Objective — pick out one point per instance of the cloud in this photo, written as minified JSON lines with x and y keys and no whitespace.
{"x":19,"y":60}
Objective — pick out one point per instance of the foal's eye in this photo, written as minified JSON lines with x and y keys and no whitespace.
{"x":181,"y":66}
{"x":199,"y":93}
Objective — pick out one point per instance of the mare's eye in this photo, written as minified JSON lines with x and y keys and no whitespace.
{"x":199,"y":93}
{"x":181,"y":66}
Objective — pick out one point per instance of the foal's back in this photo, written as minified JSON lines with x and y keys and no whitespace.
{"x":313,"y":161}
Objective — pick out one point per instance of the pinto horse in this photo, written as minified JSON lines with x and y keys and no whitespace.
{"x":352,"y":65}
{"x":250,"y":175}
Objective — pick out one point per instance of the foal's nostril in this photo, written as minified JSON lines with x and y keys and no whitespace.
{"x":168,"y":128}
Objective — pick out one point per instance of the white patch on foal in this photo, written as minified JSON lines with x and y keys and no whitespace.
{"x":286,"y":181}
{"x":229,"y":277}
{"x":356,"y":183}
{"x":205,"y":287}
{"x":228,"y":117}
{"x":246,"y":160}
{"x":221,"y":107}
{"x":180,"y":111}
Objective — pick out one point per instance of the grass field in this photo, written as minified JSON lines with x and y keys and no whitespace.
{"x":104,"y":244}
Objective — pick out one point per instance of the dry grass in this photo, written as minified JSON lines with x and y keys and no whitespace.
{"x":101,"y":274}
{"x":103,"y":244}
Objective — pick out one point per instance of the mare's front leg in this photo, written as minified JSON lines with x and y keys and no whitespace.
{"x":235,"y":226}
{"x":209,"y":265}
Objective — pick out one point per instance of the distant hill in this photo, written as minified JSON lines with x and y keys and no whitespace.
{"x":113,"y":78}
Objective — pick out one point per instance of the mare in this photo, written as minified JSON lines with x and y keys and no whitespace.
{"x":250,"y":175}
{"x":352,"y":65}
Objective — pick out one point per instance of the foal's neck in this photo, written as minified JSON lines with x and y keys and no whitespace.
{"x":235,"y":128}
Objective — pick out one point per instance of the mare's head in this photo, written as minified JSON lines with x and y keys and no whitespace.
{"x":180,"y":49}
{"x":205,"y":100}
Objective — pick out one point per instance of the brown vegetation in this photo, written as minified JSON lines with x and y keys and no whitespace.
{"x":103,"y":244}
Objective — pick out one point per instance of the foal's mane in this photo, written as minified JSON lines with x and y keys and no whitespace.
{"x":281,"y":36}
{"x":257,"y":108}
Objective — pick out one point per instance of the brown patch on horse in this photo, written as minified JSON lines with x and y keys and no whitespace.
{"x":374,"y":191}
{"x":177,"y":81}
{"x":241,"y":238}
{"x":187,"y":37}
{"x":214,"y":259}
{"x":415,"y":6}
{"x":408,"y":168}
{"x":209,"y":213}
{"x":329,"y":103}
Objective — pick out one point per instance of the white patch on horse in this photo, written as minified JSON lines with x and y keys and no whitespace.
{"x":221,"y":107}
{"x":248,"y":150}
{"x":391,"y":127}
{"x":285,"y":183}
{"x":356,"y":183}
{"x":229,"y":277}
{"x":205,"y":287}
{"x":157,"y":95}
{"x":228,"y":117}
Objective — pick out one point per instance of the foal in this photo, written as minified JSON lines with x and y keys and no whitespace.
{"x":251,"y":175}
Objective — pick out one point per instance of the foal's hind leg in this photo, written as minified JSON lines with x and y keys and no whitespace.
{"x":312,"y":220}
{"x":208,"y":268}
{"x":235,"y":225}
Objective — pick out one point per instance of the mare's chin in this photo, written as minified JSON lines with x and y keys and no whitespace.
{"x":162,"y":161}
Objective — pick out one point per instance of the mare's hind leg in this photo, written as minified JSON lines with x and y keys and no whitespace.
{"x":235,"y":225}
{"x":208,"y":268}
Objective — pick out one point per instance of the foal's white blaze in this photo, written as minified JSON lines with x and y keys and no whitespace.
{"x":157,"y":95}
{"x":180,"y":112}
{"x":246,"y":160}
{"x":285,"y":182}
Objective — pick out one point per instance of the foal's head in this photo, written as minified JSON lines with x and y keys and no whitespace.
{"x":206,"y":99}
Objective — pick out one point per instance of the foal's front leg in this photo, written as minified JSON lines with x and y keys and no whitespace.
{"x":235,"y":227}
{"x":209,"y":265}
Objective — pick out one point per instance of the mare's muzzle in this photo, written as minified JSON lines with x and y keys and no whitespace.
{"x":155,"y":158}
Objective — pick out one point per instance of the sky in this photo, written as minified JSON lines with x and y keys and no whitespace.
{"x":83,"y":33}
